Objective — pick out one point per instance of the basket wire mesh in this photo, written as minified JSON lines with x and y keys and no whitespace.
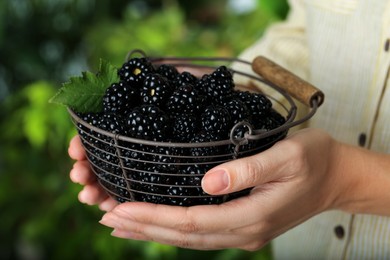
{"x":132,"y":169}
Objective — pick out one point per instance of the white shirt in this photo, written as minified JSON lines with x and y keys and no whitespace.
{"x":341,"y":47}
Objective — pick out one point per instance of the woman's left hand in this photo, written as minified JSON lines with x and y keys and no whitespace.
{"x":293,"y":180}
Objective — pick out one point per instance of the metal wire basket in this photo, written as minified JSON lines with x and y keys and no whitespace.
{"x":132,"y":169}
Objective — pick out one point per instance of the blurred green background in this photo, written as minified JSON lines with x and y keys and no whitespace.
{"x":42,"y":44}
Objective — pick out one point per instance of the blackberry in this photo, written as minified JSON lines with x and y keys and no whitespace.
{"x":111,"y":123}
{"x":209,"y":200}
{"x":278,"y":118}
{"x":156,"y":90}
{"x":270,"y":121}
{"x":203,"y":153}
{"x":116,"y":185}
{"x":218,"y":86}
{"x":168,"y":71}
{"x":102,"y":161}
{"x":108,"y":122}
{"x":143,"y":181}
{"x":148,"y":197}
{"x":135,"y":70}
{"x":194,"y":174}
{"x":87,"y":135}
{"x":133,"y":157}
{"x":216,"y":120}
{"x":148,"y":122}
{"x":184,"y":127}
{"x":147,"y":182}
{"x":103,"y":152}
{"x":119,"y":98}
{"x":165,"y":161}
{"x":157,"y":176}
{"x":185,"y":78}
{"x":185,"y":189}
{"x":179,"y":196}
{"x":222,"y":72}
{"x":237,"y":109}
{"x":257,"y":103}
{"x":184,"y":99}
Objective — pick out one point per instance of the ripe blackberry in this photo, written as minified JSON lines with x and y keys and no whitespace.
{"x":270,"y":121}
{"x":218,"y":86}
{"x":278,"y":118}
{"x":222,"y":72}
{"x":203,"y":153}
{"x":119,"y":98}
{"x":111,"y":123}
{"x":134,"y":157}
{"x":179,"y":196}
{"x":184,"y":99}
{"x":155,"y":90}
{"x":108,"y":122}
{"x":135,"y":70}
{"x":148,"y":122}
{"x":185,"y":189}
{"x":87,"y":135}
{"x":209,"y":200}
{"x":193,"y":174}
{"x":168,"y":71}
{"x":116,"y":185}
{"x":237,"y":109}
{"x":102,"y":152}
{"x":257,"y":103}
{"x":148,"y":197}
{"x":143,"y":181}
{"x":165,"y":161}
{"x":147,"y":182}
{"x":216,"y":120}
{"x":185,"y":78}
{"x":184,"y":127}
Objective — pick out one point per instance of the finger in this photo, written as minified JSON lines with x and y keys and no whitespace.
{"x":268,"y":166}
{"x":129,"y":235}
{"x":108,"y":204}
{"x":82,"y":173}
{"x":128,"y":229}
{"x":92,"y":195}
{"x":225,"y":217}
{"x":76,"y":150}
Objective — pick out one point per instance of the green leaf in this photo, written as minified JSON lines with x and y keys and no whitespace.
{"x":85,"y":93}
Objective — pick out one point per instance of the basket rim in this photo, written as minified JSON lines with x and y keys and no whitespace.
{"x":252,"y":134}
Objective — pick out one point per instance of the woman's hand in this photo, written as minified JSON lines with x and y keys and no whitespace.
{"x":292,"y":182}
{"x":305,"y":174}
{"x":81,"y":173}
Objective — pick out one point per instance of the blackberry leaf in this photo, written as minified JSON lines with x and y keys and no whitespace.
{"x":84,"y":93}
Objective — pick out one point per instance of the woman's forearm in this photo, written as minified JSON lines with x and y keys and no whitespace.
{"x":366,"y":175}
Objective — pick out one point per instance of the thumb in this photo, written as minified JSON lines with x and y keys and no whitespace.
{"x":246,"y":172}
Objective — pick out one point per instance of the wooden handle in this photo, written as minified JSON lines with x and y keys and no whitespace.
{"x":282,"y":78}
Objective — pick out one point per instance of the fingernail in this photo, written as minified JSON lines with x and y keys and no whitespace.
{"x":108,"y":221}
{"x":116,"y":233}
{"x":215,"y":181}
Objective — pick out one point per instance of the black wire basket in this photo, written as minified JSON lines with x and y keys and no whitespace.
{"x":133,"y":169}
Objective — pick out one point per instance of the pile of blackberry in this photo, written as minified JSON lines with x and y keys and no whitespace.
{"x":160,"y":104}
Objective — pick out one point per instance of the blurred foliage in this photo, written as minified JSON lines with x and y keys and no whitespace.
{"x":42,"y":43}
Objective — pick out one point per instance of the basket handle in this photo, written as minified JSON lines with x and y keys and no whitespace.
{"x":294,"y":85}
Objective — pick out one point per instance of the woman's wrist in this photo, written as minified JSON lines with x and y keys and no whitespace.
{"x":364,"y":180}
